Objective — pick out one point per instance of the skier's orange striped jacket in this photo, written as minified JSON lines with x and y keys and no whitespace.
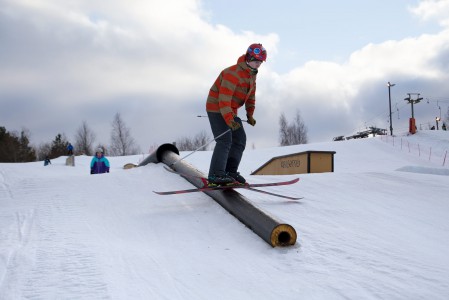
{"x":234,"y":87}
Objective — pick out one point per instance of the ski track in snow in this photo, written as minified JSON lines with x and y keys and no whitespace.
{"x":46,"y":260}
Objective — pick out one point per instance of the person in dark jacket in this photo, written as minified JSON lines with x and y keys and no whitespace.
{"x":47,"y":161}
{"x":99,"y":163}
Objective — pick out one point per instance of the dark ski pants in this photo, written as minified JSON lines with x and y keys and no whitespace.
{"x":229,"y":147}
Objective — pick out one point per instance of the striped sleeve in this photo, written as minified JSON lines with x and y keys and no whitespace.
{"x":228,"y":85}
{"x":250,"y":104}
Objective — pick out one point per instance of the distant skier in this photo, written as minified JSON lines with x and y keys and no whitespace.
{"x":47,"y":161}
{"x":99,"y":163}
{"x":69,"y":149}
{"x":234,"y":87}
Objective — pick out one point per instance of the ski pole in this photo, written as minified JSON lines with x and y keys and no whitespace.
{"x":199,"y":116}
{"x":172,"y":164}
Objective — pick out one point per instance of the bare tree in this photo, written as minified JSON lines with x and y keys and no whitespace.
{"x":292,"y":134}
{"x":84,"y":139}
{"x":153,"y":148}
{"x":299,"y":130}
{"x":122,"y":143}
{"x":283,"y":131}
{"x":190,"y":144}
{"x":43,"y":150}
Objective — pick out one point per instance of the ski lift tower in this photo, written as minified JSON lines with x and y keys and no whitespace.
{"x":412,"y":126}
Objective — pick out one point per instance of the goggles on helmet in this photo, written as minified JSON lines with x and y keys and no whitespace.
{"x":256,"y":51}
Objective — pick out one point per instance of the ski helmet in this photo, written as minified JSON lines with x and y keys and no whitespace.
{"x":100,"y":150}
{"x":256,"y":51}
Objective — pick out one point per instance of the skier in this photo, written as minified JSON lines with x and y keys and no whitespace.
{"x":47,"y":161}
{"x":69,"y":149}
{"x":234,"y":87}
{"x":99,"y":163}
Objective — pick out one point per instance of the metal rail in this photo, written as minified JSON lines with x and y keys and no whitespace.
{"x":274,"y":232}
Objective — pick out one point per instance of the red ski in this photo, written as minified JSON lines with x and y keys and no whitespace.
{"x":274,"y":194}
{"x":204,"y":180}
{"x":227,"y":187}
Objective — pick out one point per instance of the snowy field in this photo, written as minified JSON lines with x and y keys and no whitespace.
{"x":376,"y":228}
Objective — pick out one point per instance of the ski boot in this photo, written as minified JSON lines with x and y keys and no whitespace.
{"x":215,"y":180}
{"x":237,"y":177}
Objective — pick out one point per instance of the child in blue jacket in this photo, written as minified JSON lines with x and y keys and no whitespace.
{"x":99,"y":163}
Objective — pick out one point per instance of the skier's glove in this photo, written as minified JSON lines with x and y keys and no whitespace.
{"x":251,"y":121}
{"x":234,"y":125}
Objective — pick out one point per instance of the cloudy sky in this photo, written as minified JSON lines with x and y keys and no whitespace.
{"x":65,"y":62}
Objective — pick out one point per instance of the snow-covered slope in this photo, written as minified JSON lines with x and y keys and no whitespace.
{"x":376,"y":228}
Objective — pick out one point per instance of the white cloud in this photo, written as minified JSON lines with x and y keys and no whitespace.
{"x":67,"y":55}
{"x":433,"y":9}
{"x":330,"y":95}
{"x":155,"y":61}
{"x":140,"y":46}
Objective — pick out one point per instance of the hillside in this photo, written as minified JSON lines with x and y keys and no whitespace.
{"x":376,"y":228}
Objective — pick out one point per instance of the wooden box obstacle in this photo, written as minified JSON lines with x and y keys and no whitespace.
{"x":298,"y":163}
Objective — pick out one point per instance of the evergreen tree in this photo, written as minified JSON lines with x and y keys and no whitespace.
{"x":58,"y":146}
{"x":26,"y":153}
{"x":7,"y":146}
{"x":14,"y":148}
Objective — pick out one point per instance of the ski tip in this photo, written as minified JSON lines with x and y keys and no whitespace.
{"x":295,"y":180}
{"x":161,"y":193}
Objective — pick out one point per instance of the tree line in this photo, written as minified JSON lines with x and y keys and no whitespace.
{"x":15,"y":147}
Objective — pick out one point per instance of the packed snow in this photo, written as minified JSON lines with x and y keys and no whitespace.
{"x":376,"y":228}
